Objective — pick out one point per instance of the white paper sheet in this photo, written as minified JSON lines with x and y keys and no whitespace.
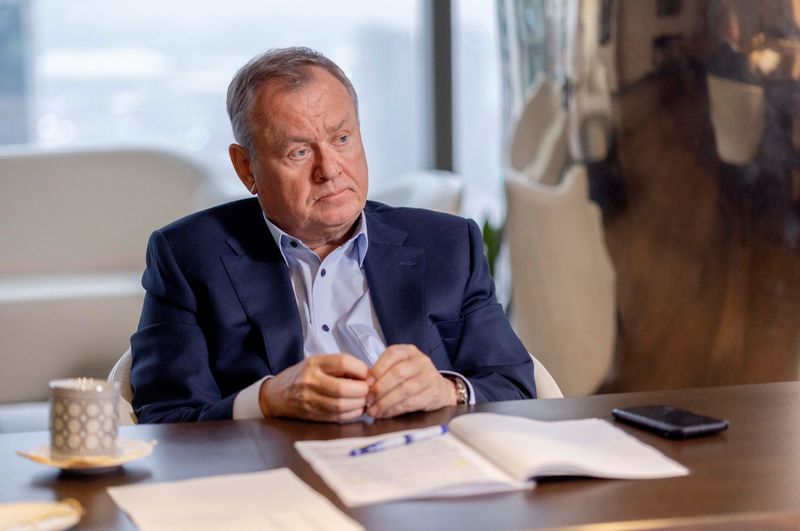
{"x":437,"y":467}
{"x":585,"y":447}
{"x":274,"y":500}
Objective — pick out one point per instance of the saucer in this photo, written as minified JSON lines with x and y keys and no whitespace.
{"x":127,"y":450}
{"x":40,"y":516}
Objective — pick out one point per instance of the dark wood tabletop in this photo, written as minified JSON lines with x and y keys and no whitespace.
{"x":751,"y":469}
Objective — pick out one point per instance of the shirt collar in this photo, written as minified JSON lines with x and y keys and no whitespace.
{"x":282,"y":239}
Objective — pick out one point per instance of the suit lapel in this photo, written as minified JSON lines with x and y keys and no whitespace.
{"x":396,"y":275}
{"x":261,"y":280}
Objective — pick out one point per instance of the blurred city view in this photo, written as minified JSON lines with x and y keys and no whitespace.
{"x":93,"y":72}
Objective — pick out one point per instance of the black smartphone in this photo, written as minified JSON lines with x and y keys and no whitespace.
{"x":669,"y":421}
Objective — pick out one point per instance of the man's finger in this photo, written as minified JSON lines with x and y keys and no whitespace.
{"x":401,"y":371}
{"x":339,"y":405}
{"x":344,"y":365}
{"x":404,"y":379}
{"x":391,"y":356}
{"x":336,"y":387}
{"x":404,"y":398}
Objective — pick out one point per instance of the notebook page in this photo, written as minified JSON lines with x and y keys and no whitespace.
{"x":437,"y":467}
{"x":527,"y":448}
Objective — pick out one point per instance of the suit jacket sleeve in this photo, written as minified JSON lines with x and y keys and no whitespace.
{"x":488,"y":351}
{"x":171,"y":373}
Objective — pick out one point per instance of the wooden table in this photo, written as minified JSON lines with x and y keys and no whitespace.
{"x":751,"y":473}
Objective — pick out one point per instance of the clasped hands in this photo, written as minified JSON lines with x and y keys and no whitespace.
{"x":341,"y":387}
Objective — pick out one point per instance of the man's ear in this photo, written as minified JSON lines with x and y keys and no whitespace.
{"x":241,"y":163}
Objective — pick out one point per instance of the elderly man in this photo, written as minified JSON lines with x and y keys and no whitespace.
{"x":311,"y":301}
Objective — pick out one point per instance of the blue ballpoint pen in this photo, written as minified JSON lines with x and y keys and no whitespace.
{"x":400,"y":440}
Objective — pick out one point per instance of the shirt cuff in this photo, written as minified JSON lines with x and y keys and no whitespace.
{"x":470,"y":391}
{"x":245,"y":405}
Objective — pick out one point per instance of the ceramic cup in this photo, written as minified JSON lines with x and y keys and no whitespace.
{"x":83,"y":417}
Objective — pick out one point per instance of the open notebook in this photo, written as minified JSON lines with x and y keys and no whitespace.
{"x":483,"y":453}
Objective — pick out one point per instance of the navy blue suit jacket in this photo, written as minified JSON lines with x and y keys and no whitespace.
{"x":220,"y":313}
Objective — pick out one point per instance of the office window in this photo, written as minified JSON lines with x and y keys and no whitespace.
{"x":14,"y":71}
{"x":477,"y":108}
{"x":156,"y":72}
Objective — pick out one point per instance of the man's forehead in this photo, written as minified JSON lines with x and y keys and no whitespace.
{"x":320,"y":84}
{"x":288,"y":111}
{"x":296,"y":121}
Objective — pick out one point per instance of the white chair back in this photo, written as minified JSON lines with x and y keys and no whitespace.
{"x":563,"y":303}
{"x":431,"y":189}
{"x":539,"y":142}
{"x":546,"y":386}
{"x":737,"y":116}
{"x":121,"y":372}
{"x":72,"y":211}
{"x":73,"y":234}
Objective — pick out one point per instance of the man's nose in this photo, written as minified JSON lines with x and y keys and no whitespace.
{"x":328,"y":164}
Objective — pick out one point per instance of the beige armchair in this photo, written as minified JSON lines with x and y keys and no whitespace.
{"x":563,"y":287}
{"x":73,"y":233}
{"x":432,"y":189}
{"x":539,"y":143}
{"x":563,"y":301}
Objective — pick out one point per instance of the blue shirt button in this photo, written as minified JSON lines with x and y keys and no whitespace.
{"x":322,"y":273}
{"x":293,"y":243}
{"x":325,"y":327}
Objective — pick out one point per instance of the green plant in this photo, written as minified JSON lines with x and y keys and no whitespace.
{"x":492,"y":238}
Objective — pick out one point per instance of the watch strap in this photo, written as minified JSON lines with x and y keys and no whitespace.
{"x":462,"y":393}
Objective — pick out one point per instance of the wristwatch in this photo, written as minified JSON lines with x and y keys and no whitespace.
{"x":462,"y":393}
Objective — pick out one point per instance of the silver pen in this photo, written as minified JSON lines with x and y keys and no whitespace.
{"x":400,"y":440}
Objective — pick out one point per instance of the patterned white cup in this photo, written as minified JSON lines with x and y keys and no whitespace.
{"x":83,"y":417}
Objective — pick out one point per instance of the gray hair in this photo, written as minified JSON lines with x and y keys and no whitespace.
{"x":291,"y":65}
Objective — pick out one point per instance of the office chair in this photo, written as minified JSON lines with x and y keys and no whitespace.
{"x":73,"y":232}
{"x":438,"y":190}
{"x":121,"y":372}
{"x":563,"y":301}
{"x":546,"y":386}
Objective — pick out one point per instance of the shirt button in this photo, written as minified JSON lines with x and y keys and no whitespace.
{"x":293,"y":243}
{"x":322,"y":273}
{"x":325,"y":327}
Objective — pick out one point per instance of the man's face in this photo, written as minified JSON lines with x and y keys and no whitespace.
{"x":307,"y":162}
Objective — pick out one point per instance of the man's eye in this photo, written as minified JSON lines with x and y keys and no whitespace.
{"x":299,"y":153}
{"x":343,"y":139}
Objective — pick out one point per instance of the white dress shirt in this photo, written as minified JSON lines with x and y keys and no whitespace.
{"x":336,"y":312}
